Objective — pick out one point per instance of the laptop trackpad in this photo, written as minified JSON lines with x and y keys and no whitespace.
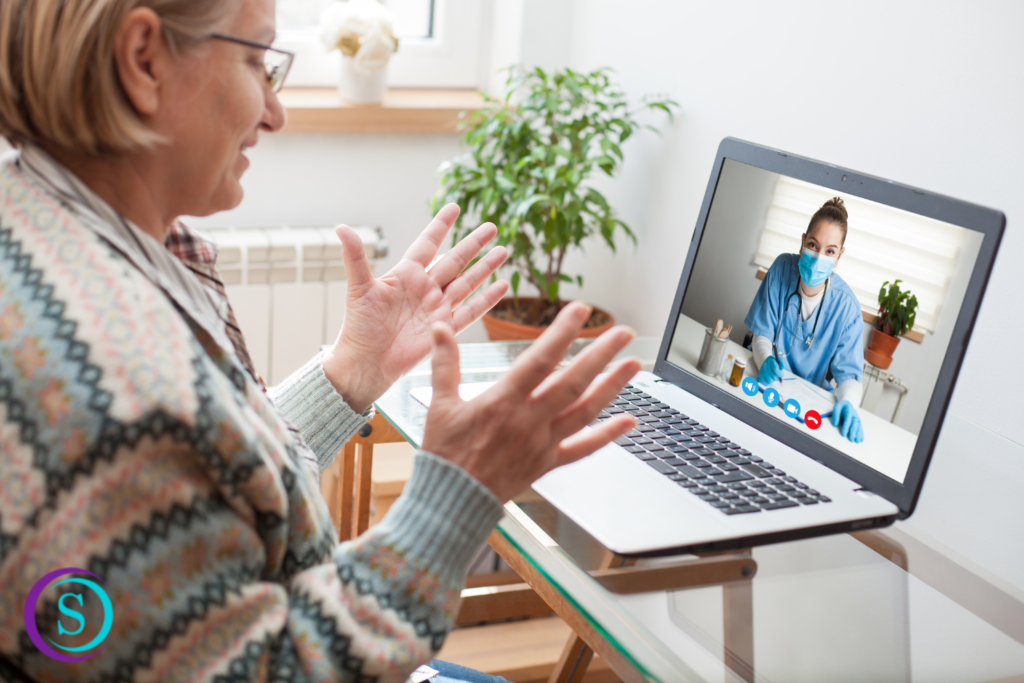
{"x":629,"y":508}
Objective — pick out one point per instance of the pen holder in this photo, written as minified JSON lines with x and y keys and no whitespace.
{"x":711,"y":354}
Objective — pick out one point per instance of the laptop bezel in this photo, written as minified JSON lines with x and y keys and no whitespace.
{"x":989,"y":222}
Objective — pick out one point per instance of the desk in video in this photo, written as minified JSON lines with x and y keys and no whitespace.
{"x":798,"y":272}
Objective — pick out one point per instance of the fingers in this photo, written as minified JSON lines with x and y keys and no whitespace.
{"x":558,"y":392}
{"x":452,"y":263}
{"x":584,"y":443}
{"x":357,"y":266}
{"x":598,"y":395}
{"x":466,"y":315}
{"x":424,"y":249}
{"x":464,"y":285}
{"x":445,"y":376}
{"x":540,"y":359}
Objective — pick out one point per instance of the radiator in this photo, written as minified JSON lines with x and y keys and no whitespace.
{"x":287,"y":286}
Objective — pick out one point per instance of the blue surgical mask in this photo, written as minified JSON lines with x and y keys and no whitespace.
{"x":815,"y":268}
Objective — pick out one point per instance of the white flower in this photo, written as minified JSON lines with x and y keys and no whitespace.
{"x":375,"y":49}
{"x":363,"y":29}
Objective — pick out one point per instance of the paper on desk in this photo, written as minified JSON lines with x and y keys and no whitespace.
{"x":803,"y":392}
{"x":466,"y":391}
{"x":423,"y":673}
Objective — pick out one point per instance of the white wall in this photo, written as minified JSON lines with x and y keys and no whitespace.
{"x":925,"y":93}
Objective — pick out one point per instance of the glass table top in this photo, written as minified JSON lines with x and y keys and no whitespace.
{"x":876,"y":606}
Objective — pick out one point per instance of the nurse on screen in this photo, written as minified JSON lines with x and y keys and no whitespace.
{"x":806,"y":319}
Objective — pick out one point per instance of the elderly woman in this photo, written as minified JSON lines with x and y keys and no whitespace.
{"x":136,"y":442}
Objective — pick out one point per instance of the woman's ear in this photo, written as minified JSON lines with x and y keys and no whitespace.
{"x":841,"y":252}
{"x":139,"y":50}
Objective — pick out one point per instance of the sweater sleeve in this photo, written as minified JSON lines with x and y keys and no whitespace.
{"x":320,"y":414}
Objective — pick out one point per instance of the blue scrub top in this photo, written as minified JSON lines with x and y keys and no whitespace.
{"x":839,"y":340}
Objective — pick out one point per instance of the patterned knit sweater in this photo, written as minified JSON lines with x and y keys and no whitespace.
{"x":133,"y":447}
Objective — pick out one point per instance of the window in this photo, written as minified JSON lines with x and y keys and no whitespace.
{"x":440,"y":43}
{"x":883,"y":243}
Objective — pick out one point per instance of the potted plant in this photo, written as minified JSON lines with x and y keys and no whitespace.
{"x":897,"y":310}
{"x":528,"y":170}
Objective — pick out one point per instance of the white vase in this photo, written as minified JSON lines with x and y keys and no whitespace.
{"x":359,"y":87}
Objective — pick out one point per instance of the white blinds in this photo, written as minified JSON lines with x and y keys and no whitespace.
{"x":882,"y":244}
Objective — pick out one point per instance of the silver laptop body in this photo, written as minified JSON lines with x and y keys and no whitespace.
{"x":635,"y":503}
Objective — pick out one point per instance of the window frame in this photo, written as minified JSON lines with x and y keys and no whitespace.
{"x":454,"y":57}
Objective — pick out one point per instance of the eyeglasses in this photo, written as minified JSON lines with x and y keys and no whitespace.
{"x":277,"y":62}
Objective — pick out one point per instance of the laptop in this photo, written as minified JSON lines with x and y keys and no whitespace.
{"x":722,"y":461}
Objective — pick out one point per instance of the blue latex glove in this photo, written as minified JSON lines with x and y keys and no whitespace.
{"x":770,"y":371}
{"x":846,"y":419}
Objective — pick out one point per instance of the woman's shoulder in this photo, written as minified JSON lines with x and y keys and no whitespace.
{"x":844,"y":294}
{"x":64,"y":287}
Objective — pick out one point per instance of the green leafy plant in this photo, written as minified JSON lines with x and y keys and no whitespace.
{"x":897,"y":309}
{"x":530,"y":158}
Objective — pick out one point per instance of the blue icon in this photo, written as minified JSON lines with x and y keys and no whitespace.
{"x":792,"y":407}
{"x":771,"y":398}
{"x":749,"y":386}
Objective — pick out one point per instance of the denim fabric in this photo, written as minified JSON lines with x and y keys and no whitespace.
{"x":453,"y":673}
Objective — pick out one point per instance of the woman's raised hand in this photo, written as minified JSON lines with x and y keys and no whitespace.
{"x":530,"y":421}
{"x":387,"y":328}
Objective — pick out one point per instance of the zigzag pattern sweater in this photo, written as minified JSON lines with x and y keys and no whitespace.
{"x":133,"y":447}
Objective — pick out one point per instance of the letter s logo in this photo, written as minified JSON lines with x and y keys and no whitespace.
{"x":33,"y":629}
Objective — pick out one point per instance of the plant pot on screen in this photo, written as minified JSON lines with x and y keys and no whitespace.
{"x":897,"y":311}
{"x":364,"y":32}
{"x":527,"y":169}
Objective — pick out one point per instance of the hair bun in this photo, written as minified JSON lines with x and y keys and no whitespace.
{"x":838,"y":204}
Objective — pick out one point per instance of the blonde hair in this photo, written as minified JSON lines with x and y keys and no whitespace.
{"x":58,"y":80}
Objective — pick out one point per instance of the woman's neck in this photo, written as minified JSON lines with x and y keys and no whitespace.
{"x":811,"y":291}
{"x":125,"y":184}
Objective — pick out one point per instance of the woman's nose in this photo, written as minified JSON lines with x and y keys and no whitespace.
{"x":274,"y":114}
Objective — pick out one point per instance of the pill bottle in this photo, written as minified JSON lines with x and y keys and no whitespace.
{"x":739,"y":366}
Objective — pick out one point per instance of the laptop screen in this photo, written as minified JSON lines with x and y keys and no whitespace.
{"x":828,"y":312}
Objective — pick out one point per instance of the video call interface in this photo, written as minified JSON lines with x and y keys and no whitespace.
{"x":781,"y":311}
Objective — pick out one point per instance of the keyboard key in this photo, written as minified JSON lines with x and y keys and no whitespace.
{"x":757,"y":471}
{"x":688,"y":455}
{"x":776,"y":496}
{"x":730,"y":496}
{"x":623,"y":441}
{"x":757,"y":484}
{"x":700,"y":427}
{"x":744,"y":451}
{"x":718,"y":489}
{"x":645,"y":456}
{"x":741,"y":461}
{"x":714,"y":434}
{"x":730,"y":477}
{"x":808,"y":501}
{"x":760,"y":500}
{"x":665,"y":441}
{"x":644,"y":428}
{"x":676,"y":448}
{"x":780,"y":504}
{"x":742,"y":510}
{"x":714,"y":471}
{"x":700,"y":463}
{"x":661,"y":466}
{"x":644,"y":395}
{"x":790,"y":479}
{"x":693,"y":432}
{"x":754,"y":458}
{"x":632,"y":433}
{"x":691,"y":472}
{"x":727,"y":467}
{"x":716,"y":446}
{"x":735,"y":446}
{"x":654,"y":448}
{"x":658,"y":425}
{"x":671,"y":420}
{"x":677,"y":477}
{"x":613,"y":411}
{"x":670,"y":432}
{"x":648,"y":419}
{"x":783,"y":487}
{"x":674,"y":462}
{"x":704,"y":451}
{"x":641,"y":440}
{"x":800,"y":485}
{"x":824,"y":499}
{"x":739,"y":485}
{"x":690,"y":483}
{"x":720,"y":503}
{"x":714,"y":459}
{"x":773,"y":481}
{"x":709,"y":497}
{"x":729,"y":454}
{"x":633,"y":449}
{"x":704,"y":439}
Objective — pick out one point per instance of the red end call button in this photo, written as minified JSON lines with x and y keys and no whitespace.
{"x":812,"y":419}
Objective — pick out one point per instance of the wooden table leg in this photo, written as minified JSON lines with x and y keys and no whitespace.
{"x":347,"y":482}
{"x":576,"y":654}
{"x":738,"y":610}
{"x":364,"y":467}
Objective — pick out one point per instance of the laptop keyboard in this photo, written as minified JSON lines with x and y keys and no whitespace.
{"x":707,"y":464}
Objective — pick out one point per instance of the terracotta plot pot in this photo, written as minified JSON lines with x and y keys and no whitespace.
{"x":501,"y":329}
{"x":880,"y":349}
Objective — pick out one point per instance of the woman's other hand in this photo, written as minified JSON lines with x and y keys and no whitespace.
{"x":388,"y":319}
{"x":847,"y":421}
{"x":770,"y":371}
{"x":530,"y":422}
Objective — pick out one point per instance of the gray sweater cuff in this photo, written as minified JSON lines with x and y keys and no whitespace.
{"x":310,"y":402}
{"x":443,"y":516}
